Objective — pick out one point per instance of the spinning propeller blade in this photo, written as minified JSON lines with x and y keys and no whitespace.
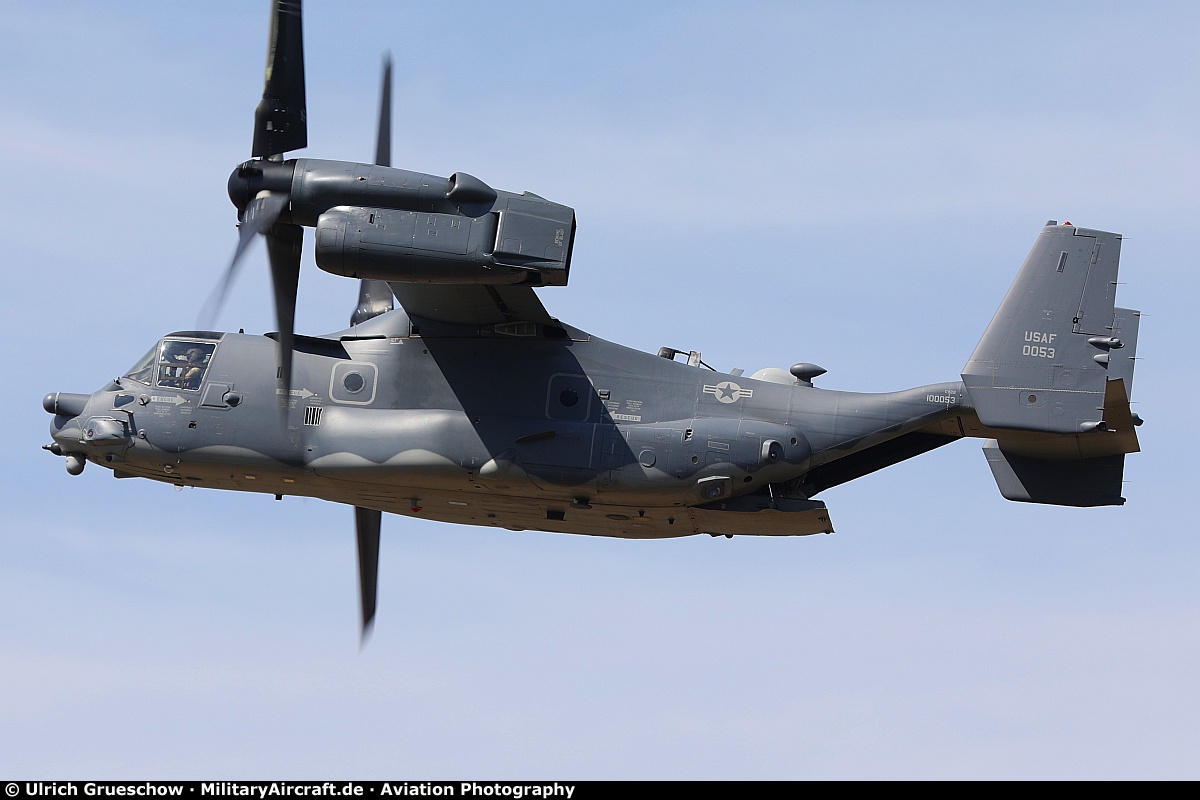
{"x":261,"y":190}
{"x":367,"y":524}
{"x":280,"y":125}
{"x":281,"y":120}
{"x":375,"y":297}
{"x":283,"y":249}
{"x":259,"y":215}
{"x":383,"y":140}
{"x":367,"y":521}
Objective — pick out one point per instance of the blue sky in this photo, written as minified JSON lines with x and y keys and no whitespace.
{"x":849,"y":184}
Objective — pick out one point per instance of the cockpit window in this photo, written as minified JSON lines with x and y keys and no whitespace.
{"x":143,"y":370}
{"x":183,"y":362}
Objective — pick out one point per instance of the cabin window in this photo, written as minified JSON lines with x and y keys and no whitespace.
{"x":183,"y":362}
{"x":569,"y":397}
{"x":353,"y":382}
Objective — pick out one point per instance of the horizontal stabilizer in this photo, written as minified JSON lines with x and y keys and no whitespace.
{"x":1080,"y":482}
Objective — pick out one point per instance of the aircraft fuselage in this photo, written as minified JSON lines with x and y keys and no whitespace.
{"x":531,"y":428}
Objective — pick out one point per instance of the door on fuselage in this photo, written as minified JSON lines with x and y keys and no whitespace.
{"x":563,"y":453}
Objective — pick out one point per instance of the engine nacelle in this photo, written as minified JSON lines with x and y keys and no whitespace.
{"x":393,"y":224}
{"x":522,"y":241}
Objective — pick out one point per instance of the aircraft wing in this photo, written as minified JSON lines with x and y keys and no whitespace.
{"x":470,"y":303}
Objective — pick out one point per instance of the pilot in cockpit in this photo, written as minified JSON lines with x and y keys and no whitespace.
{"x":190,"y":375}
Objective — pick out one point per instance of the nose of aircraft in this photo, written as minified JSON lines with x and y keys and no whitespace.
{"x":66,"y":406}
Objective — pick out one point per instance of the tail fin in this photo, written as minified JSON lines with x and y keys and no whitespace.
{"x":1058,"y":359}
{"x":1044,"y":360}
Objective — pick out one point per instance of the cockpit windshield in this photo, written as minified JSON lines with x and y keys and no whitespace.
{"x":174,"y":364}
{"x":182,"y":363}
{"x":143,"y":370}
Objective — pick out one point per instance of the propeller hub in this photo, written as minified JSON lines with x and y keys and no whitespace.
{"x":252,"y":177}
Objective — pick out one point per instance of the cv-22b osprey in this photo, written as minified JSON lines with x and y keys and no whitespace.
{"x":471,"y":404}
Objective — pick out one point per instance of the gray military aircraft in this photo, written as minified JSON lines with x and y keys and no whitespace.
{"x":471,"y":404}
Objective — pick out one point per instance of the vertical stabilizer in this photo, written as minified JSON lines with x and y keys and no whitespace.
{"x":1044,"y":360}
